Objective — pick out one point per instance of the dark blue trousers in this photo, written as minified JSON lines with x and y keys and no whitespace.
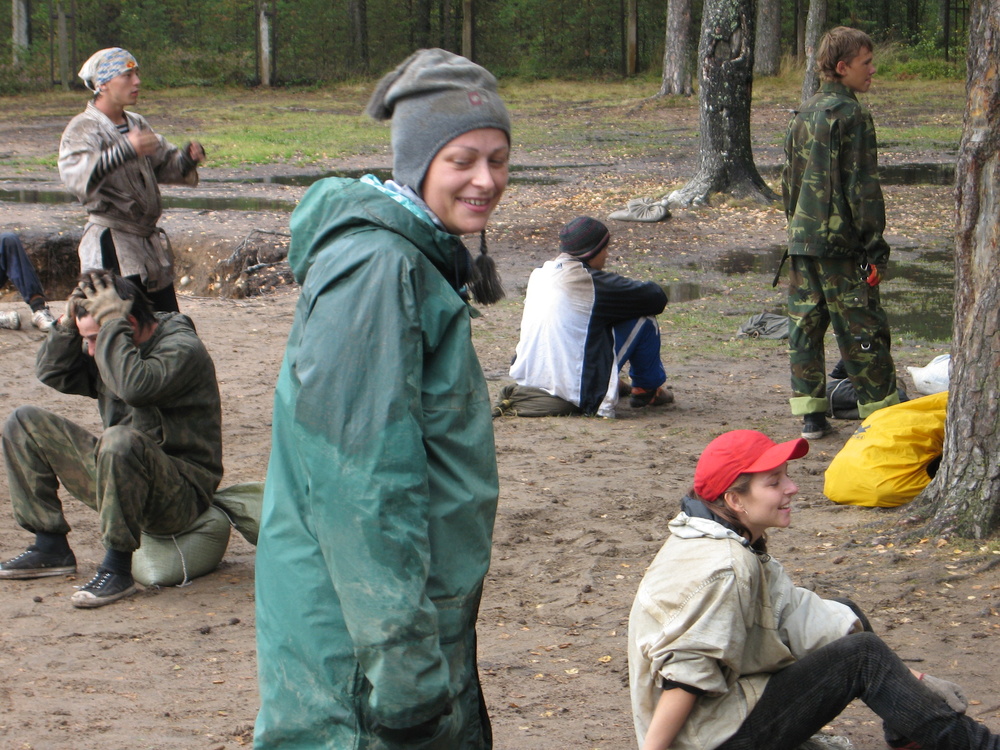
{"x":16,"y":266}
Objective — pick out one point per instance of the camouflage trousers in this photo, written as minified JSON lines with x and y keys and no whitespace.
{"x":123,"y":475}
{"x":825,"y":291}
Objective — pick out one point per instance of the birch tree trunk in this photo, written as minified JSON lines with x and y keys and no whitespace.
{"x":20,"y":33}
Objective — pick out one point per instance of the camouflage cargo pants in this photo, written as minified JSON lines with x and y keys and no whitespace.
{"x":123,"y":475}
{"x":825,"y":291}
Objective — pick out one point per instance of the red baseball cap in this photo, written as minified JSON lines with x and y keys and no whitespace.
{"x":740,"y":452}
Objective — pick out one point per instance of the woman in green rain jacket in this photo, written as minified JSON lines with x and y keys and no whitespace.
{"x":382,"y":484}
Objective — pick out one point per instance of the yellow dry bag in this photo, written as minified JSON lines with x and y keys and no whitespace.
{"x":884,"y":463}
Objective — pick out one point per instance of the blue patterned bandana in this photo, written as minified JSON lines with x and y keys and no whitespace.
{"x":104,"y":65}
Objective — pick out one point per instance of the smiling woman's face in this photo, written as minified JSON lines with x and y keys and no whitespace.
{"x":466,"y":179}
{"x":767,"y":504}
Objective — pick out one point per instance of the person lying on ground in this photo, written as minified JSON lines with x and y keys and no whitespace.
{"x":725,"y":652}
{"x":158,"y":462}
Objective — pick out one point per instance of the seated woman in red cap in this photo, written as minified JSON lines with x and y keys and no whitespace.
{"x":725,"y":652}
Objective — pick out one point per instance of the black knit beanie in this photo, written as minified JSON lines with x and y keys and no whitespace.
{"x":584,"y":237}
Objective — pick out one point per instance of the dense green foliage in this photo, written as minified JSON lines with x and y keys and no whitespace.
{"x":214,"y":42}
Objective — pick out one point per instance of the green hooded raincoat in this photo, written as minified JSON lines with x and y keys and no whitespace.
{"x":381,"y":490}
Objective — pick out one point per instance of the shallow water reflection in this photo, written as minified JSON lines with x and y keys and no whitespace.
{"x":918,"y":292}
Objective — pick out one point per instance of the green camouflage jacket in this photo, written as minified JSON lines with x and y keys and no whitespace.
{"x":833,"y":200}
{"x":165,"y":387}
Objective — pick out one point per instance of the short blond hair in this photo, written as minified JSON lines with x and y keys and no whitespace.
{"x":841,"y":43}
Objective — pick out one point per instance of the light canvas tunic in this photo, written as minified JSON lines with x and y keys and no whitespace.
{"x":126,"y":200}
{"x":712,"y":614}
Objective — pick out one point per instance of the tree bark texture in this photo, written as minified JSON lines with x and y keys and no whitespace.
{"x":725,"y":89}
{"x":676,"y":50}
{"x":21,"y":25}
{"x":357,"y":11}
{"x":265,"y":58}
{"x":964,"y":497}
{"x":468,"y":30}
{"x":421,"y":20}
{"x":814,"y":27}
{"x":631,"y":36}
{"x":767,"y":51}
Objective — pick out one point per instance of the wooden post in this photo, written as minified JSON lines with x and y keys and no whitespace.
{"x":21,"y":26}
{"x":468,"y":30}
{"x":264,"y":59}
{"x":631,"y":37}
{"x":63,"y":46}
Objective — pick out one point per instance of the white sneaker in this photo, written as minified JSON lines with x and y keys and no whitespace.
{"x":43,"y":320}
{"x":10,"y":320}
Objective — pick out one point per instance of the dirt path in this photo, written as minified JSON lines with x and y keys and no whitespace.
{"x":583,"y":508}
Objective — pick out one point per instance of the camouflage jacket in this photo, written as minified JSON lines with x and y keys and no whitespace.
{"x":165,"y":387}
{"x":833,"y":200}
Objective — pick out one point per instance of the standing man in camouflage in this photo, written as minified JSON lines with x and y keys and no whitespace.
{"x":158,"y":462}
{"x":836,"y":216}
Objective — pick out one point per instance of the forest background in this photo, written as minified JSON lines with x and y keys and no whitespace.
{"x":216,"y":42}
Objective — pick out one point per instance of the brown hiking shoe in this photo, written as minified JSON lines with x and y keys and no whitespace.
{"x":644,"y":397}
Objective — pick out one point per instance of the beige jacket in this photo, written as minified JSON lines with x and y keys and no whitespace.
{"x":126,"y":201}
{"x":712,"y":614}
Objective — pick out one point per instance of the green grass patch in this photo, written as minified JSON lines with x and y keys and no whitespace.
{"x":604,"y":119}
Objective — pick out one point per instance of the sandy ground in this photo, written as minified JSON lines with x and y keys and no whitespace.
{"x":583,"y":507}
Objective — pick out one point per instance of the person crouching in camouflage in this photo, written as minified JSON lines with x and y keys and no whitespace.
{"x":836,"y":216}
{"x":158,"y":462}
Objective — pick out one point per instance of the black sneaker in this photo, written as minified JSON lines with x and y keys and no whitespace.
{"x":815,"y":426}
{"x":32,"y":563}
{"x":105,"y":587}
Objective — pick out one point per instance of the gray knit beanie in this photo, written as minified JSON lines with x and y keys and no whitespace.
{"x":432,"y":97}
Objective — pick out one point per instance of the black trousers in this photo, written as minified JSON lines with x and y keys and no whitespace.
{"x":799,"y":700}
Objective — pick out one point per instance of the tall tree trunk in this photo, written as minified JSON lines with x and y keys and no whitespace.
{"x":631,"y":36}
{"x":421,"y":24}
{"x":357,"y":11}
{"x":725,"y":89}
{"x":676,"y":50}
{"x":767,"y":50}
{"x":468,"y":30}
{"x":21,"y":30}
{"x":800,"y":30}
{"x":265,"y":51}
{"x":62,"y":32}
{"x":964,"y":497}
{"x":814,"y":27}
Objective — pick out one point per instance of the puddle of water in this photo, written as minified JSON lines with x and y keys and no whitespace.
{"x":683,"y":291}
{"x":242,"y":203}
{"x":305,"y":180}
{"x":169,"y":201}
{"x":918,"y":294}
{"x":898,"y":174}
{"x":763,"y":260}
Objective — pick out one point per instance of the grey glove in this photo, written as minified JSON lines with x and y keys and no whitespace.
{"x":67,"y":322}
{"x":101,"y":300}
{"x":949,"y":692}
